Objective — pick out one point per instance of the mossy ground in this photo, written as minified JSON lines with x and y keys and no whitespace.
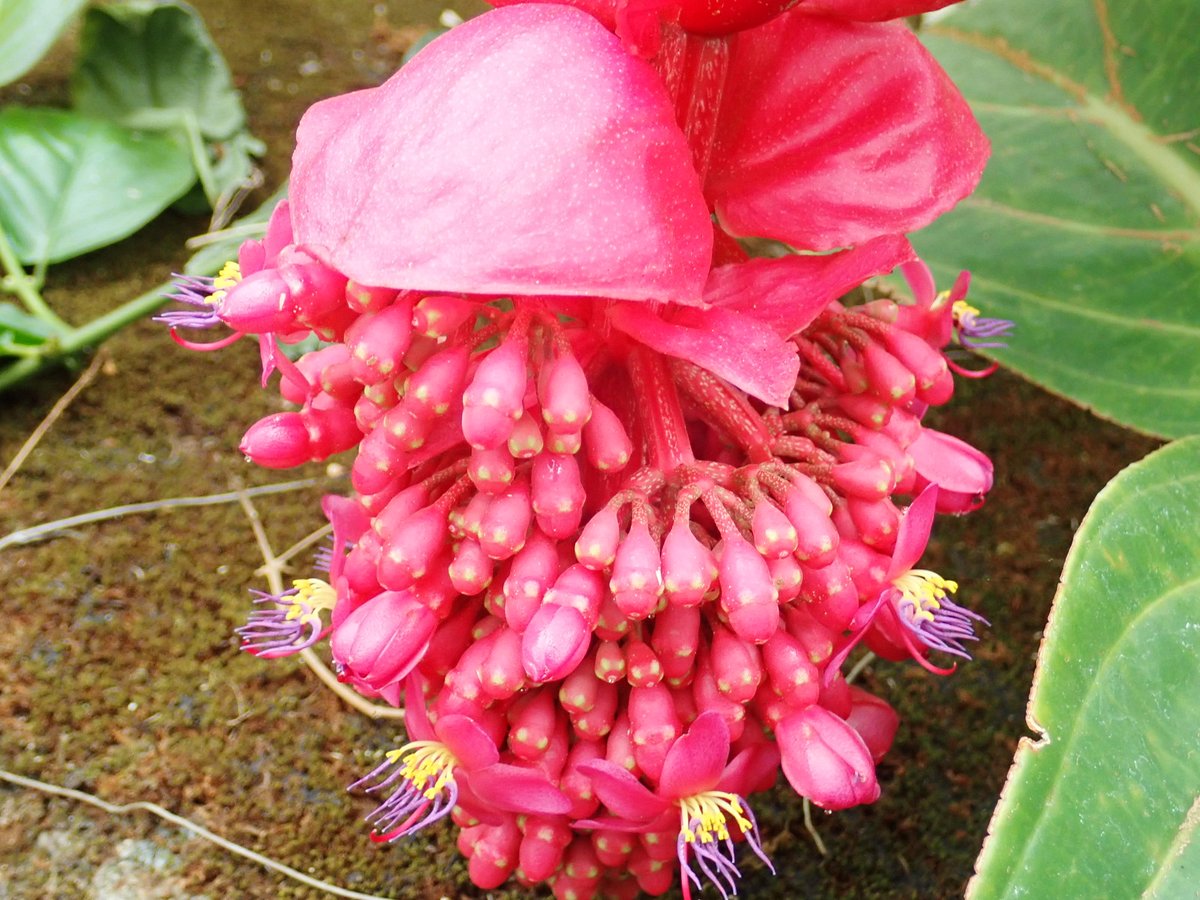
{"x":122,"y":676}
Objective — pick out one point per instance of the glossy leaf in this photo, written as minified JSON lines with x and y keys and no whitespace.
{"x":1086,"y":227}
{"x":1105,"y":804}
{"x":153,"y":65}
{"x":27,"y":29}
{"x":69,"y":184}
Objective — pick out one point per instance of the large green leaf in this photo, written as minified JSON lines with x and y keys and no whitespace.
{"x":151,"y":64}
{"x":27,"y":29}
{"x":1105,"y":804}
{"x":69,"y":184}
{"x":1086,"y":227}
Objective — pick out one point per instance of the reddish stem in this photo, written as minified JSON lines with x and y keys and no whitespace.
{"x":662,"y":417}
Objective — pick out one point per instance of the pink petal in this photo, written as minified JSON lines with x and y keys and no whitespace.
{"x":623,"y":794}
{"x":833,"y":132}
{"x":604,"y":10}
{"x":788,"y":293}
{"x":951,"y":464}
{"x":752,"y":770}
{"x":741,"y":349}
{"x":913,"y":533}
{"x":469,"y":743}
{"x":518,"y":790}
{"x":871,"y":10}
{"x":523,"y":152}
{"x":416,"y":716}
{"x":695,"y":762}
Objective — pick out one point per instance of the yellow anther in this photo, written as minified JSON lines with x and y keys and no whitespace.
{"x":922,"y":593}
{"x":705,"y":817}
{"x":230,"y":274}
{"x":962,"y":309}
{"x":427,"y":765}
{"x":313,"y":593}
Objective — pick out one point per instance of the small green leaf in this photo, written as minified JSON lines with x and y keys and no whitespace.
{"x":69,"y":184}
{"x":151,"y":64}
{"x":27,"y":29}
{"x":1106,"y":803}
{"x":1086,"y":227}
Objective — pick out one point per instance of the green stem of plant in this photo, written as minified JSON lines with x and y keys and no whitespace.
{"x":17,"y":281}
{"x":74,"y":340}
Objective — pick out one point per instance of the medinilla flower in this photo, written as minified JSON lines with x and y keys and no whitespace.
{"x":449,"y":762}
{"x":698,"y":797}
{"x":913,"y":612}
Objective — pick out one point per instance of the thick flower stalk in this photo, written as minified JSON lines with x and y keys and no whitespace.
{"x":625,"y":499}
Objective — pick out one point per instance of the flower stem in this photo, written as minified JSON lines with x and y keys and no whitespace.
{"x":662,"y":416}
{"x":17,"y":281}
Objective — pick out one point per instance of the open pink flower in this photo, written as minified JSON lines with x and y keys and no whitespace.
{"x":450,"y":762}
{"x":699,"y":793}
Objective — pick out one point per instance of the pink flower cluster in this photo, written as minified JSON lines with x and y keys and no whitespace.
{"x":625,"y":499}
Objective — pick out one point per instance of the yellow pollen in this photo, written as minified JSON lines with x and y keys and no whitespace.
{"x":427,"y":765}
{"x":961,"y":309}
{"x":230,"y":274}
{"x":922,"y":593}
{"x":710,"y":813}
{"x":314,"y":593}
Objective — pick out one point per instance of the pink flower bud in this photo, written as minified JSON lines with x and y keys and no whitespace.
{"x":736,"y":665}
{"x":605,"y":439}
{"x":330,"y":430}
{"x":575,"y":784}
{"x":495,"y":397}
{"x":598,"y":721}
{"x":642,"y":668}
{"x":493,"y":857}
{"x":709,"y":698}
{"x":787,"y":576}
{"x":610,"y":661}
{"x":501,"y":675}
{"x":579,"y":689}
{"x":748,"y":595}
{"x":437,"y":383}
{"x":865,"y":409}
{"x":378,"y":342}
{"x":688,"y":567}
{"x":505,"y":525}
{"x":554,"y":643}
{"x":596,"y":547}
{"x":830,"y":594}
{"x":381,"y":641}
{"x":636,"y":582}
{"x":874,"y":720}
{"x":792,"y":674}
{"x":471,"y":570}
{"x":887,"y":376}
{"x":613,"y":848}
{"x":654,"y":727}
{"x":534,"y":568}
{"x":526,"y":442}
{"x":825,"y":760}
{"x":565,"y":442}
{"x":542,"y":847}
{"x":581,"y":589}
{"x":278,"y":441}
{"x":492,"y":471}
{"x":440,"y":315}
{"x":413,"y":546}
{"x":377,"y":463}
{"x":816,"y":639}
{"x":363,"y":299}
{"x":618,"y":749}
{"x":816,"y":536}
{"x":675,"y":638}
{"x":774,"y":535}
{"x":870,"y":477}
{"x":564,"y":395}
{"x":927,"y":364}
{"x":558,"y":494}
{"x":876,"y":521}
{"x":405,"y":426}
{"x":398,"y":509}
{"x":531,"y":722}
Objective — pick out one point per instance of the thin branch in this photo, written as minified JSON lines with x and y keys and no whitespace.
{"x":271,"y":569}
{"x":51,"y":417}
{"x":51,"y":529}
{"x":811,"y":828}
{"x":199,"y":830}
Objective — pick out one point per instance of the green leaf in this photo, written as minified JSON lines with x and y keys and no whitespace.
{"x":69,"y":184}
{"x":153,"y":65}
{"x":1105,"y":804}
{"x":27,"y":29}
{"x":1086,"y":228}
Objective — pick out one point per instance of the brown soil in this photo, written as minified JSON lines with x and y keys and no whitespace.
{"x":122,"y":676}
